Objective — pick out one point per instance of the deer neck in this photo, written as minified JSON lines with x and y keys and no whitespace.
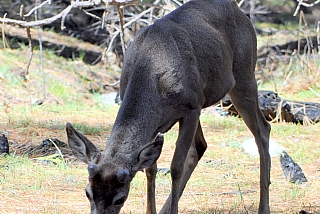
{"x":135,"y":126}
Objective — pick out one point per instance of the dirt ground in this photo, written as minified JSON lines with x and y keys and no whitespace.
{"x":214,"y":187}
{"x":225,"y":181}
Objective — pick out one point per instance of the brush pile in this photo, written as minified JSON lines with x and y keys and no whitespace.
{"x":46,"y":148}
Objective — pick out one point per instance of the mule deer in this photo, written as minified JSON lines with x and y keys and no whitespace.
{"x":186,"y":61}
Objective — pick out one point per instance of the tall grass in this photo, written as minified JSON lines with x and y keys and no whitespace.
{"x":295,"y":75}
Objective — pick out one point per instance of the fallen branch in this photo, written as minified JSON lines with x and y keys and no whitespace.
{"x":64,"y":46}
{"x":62,"y":14}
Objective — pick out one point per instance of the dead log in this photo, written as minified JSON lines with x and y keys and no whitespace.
{"x":276,"y":109}
{"x":64,"y":46}
{"x":302,"y":45}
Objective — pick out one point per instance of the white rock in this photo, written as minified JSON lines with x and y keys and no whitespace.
{"x":109,"y":98}
{"x":250,"y":147}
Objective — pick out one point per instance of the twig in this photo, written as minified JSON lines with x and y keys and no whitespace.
{"x":39,"y":30}
{"x":113,"y":84}
{"x":4,"y":41}
{"x":104,"y":16}
{"x":107,"y":50}
{"x":278,"y":113}
{"x":302,"y":61}
{"x":313,"y":91}
{"x":120,"y":13}
{"x":300,"y":2}
{"x":154,"y":5}
{"x":37,"y":7}
{"x":240,"y":3}
{"x":297,"y":8}
{"x":125,"y":26}
{"x":287,"y":74}
{"x":59,"y":151}
{"x":115,"y":34}
{"x":2,"y":175}
{"x":92,"y":15}
{"x":25,"y":76}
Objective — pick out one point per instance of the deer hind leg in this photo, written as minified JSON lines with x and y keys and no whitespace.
{"x":196,"y":151}
{"x":151,"y":185}
{"x":245,"y":98}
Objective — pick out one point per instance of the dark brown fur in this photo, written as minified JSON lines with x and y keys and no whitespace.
{"x":186,"y":61}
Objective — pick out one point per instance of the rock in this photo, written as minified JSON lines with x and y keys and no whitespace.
{"x":110,"y":98}
{"x":4,"y":145}
{"x":49,"y":143}
{"x":292,"y":171}
{"x":250,"y":147}
{"x":164,"y":171}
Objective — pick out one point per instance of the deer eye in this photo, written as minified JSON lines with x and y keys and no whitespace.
{"x":120,"y":201}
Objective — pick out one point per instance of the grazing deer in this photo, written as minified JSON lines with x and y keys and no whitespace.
{"x":186,"y":61}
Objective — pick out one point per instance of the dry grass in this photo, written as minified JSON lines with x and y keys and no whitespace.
{"x":227,"y":184}
{"x":292,"y":72}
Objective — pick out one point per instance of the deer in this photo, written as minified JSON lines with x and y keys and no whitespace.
{"x":184,"y":62}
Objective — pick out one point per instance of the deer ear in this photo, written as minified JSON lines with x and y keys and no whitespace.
{"x":147,"y":155}
{"x":81,"y":147}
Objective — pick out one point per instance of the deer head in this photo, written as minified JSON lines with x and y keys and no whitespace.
{"x":110,"y":176}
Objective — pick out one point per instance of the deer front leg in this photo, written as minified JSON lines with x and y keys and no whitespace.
{"x":151,"y":185}
{"x":187,"y":130}
{"x":195,"y":153}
